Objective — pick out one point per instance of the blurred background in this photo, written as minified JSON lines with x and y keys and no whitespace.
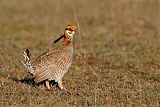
{"x":114,"y":35}
{"x":34,"y":23}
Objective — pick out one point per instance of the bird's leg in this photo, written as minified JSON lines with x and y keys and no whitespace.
{"x":47,"y":85}
{"x":60,"y":85}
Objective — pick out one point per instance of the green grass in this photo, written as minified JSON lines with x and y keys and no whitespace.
{"x":116,"y":52}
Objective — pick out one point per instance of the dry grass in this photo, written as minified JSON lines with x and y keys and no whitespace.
{"x":116,"y":55}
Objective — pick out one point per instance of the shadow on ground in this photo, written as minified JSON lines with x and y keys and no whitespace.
{"x":30,"y":81}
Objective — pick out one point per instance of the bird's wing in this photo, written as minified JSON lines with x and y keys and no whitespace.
{"x":48,"y":64}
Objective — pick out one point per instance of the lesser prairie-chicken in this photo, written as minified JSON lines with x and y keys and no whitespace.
{"x":54,"y":63}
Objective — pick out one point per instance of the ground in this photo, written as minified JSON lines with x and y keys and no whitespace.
{"x":116,"y":52}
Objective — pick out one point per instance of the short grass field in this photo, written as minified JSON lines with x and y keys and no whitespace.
{"x":116,"y":52}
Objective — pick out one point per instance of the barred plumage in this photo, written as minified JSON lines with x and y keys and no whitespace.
{"x":54,"y":63}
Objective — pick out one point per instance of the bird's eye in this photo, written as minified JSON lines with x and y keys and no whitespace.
{"x":71,"y":29}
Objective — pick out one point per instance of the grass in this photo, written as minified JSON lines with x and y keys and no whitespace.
{"x":116,"y":52}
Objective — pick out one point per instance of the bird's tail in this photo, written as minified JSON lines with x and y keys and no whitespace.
{"x":27,"y":61}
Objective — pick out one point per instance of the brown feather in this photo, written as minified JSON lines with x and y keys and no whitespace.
{"x":52,"y":64}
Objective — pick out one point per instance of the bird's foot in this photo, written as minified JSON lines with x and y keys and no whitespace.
{"x":48,"y":89}
{"x":61,"y":86}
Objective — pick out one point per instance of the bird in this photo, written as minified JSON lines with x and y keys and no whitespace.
{"x":55,"y":62}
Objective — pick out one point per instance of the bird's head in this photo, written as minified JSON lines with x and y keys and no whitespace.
{"x":69,"y":32}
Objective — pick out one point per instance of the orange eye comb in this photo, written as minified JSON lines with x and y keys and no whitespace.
{"x":71,"y":27}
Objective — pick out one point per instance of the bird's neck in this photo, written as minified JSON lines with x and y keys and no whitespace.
{"x":67,"y":41}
